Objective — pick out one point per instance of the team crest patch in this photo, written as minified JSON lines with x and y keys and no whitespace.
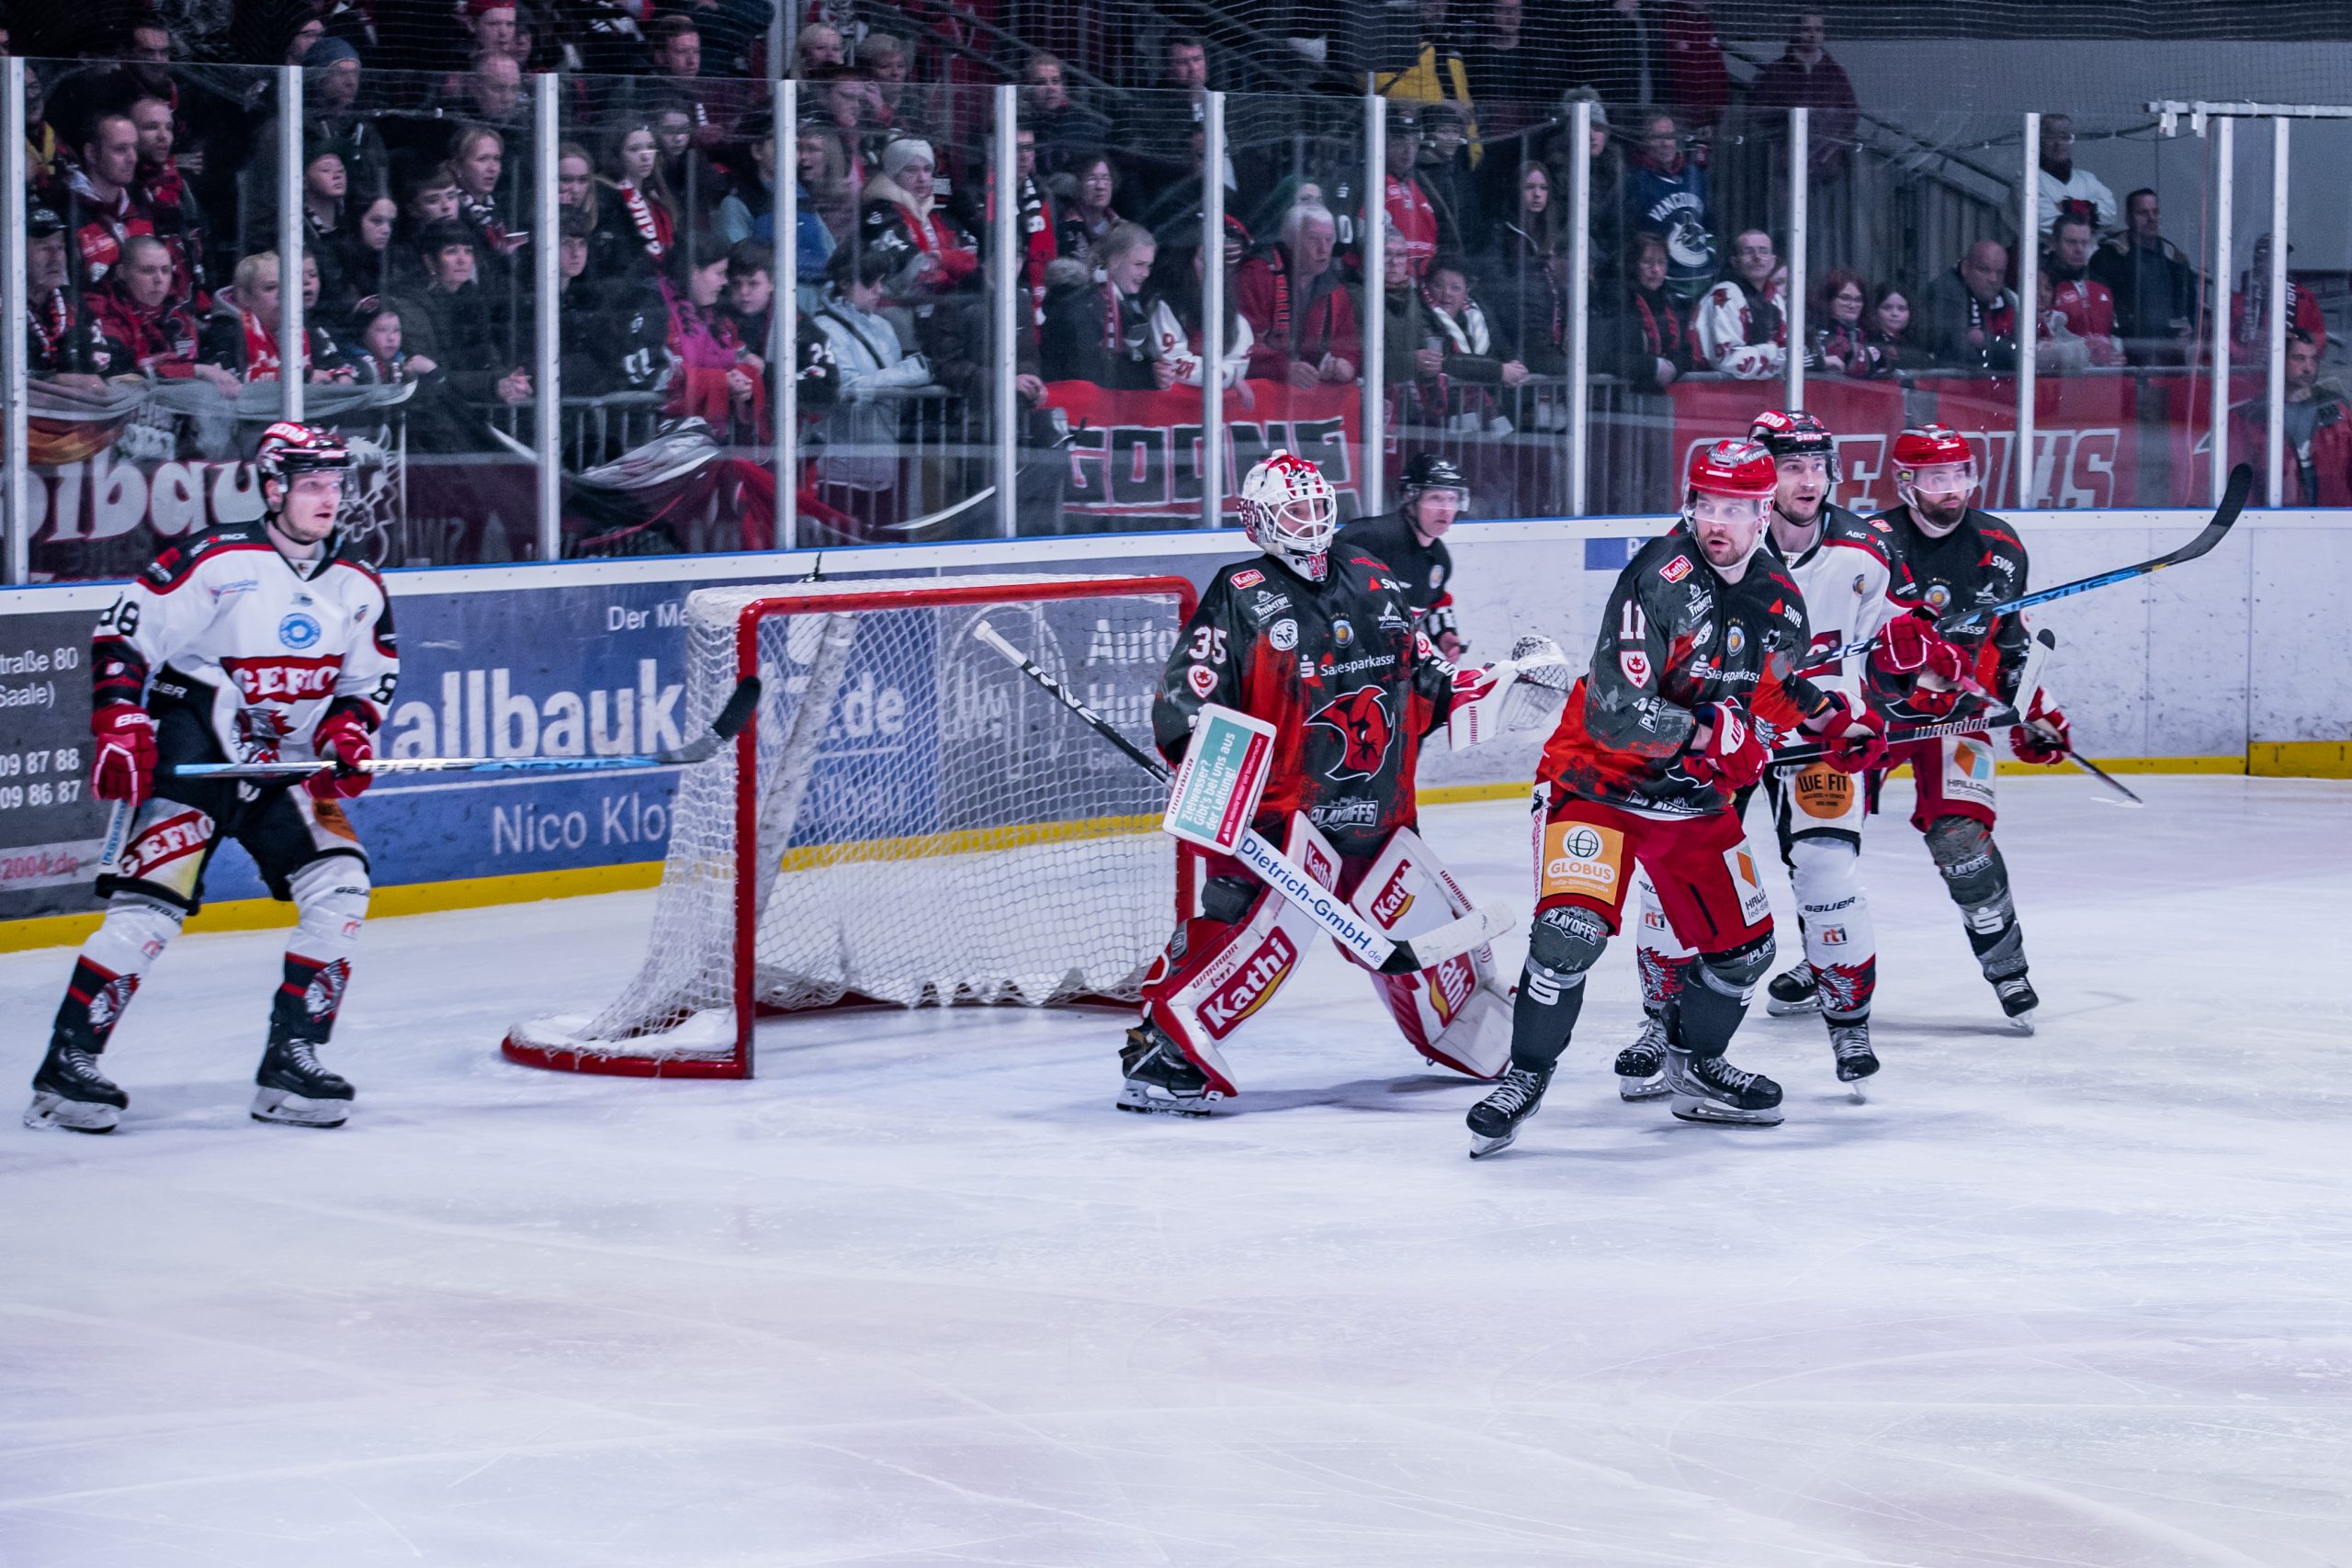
{"x":1735,"y":637}
{"x":1675,"y":569}
{"x":1249,"y":577}
{"x":1939,"y":597}
{"x":1342,"y":633}
{"x":1284,"y":637}
{"x":1636,"y":665}
{"x":1202,"y":679}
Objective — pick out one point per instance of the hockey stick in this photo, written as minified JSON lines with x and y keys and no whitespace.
{"x":1998,"y":715}
{"x":1390,"y":955}
{"x":2226,"y":516}
{"x":702,"y":747}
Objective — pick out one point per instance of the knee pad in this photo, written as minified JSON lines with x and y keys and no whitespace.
{"x":1973,"y":874}
{"x":1734,"y":973}
{"x":1564,"y":944}
{"x":331,"y":904}
{"x":1824,"y":871}
{"x":136,"y":929}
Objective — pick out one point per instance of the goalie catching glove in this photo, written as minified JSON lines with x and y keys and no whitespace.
{"x":1525,"y":691}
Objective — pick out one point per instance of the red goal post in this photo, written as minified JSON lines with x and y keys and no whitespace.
{"x":906,"y":820}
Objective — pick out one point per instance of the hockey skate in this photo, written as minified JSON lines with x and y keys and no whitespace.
{"x":1850,"y":1044}
{"x":1792,"y":991}
{"x":1161,"y":1077}
{"x":2018,"y":1001}
{"x":295,"y":1091}
{"x":1494,"y":1121}
{"x":70,"y":1092}
{"x":1641,"y":1067}
{"x":1709,"y":1088}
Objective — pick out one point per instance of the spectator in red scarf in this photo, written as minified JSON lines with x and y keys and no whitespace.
{"x":1841,"y":344}
{"x":241,"y":336}
{"x":634,"y":202}
{"x":157,"y":332}
{"x":99,"y":195}
{"x":478,"y":157}
{"x":61,"y":342}
{"x":1304,"y":322}
{"x":1642,"y":338}
{"x":169,"y":205}
{"x":901,"y":200}
{"x":1098,"y":327}
{"x":2086,"y":304}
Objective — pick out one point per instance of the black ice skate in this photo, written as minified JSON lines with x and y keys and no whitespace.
{"x":1494,"y":1121}
{"x":1850,"y":1044}
{"x":1792,"y":991}
{"x":2018,"y":1001}
{"x":1641,"y":1067}
{"x":1161,"y":1077}
{"x":1708,"y":1088}
{"x":70,"y":1092}
{"x":298,"y":1092}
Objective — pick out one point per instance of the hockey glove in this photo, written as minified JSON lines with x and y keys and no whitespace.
{"x":1734,"y":756}
{"x":2043,"y":738}
{"x":343,"y":740}
{"x":1854,"y":732}
{"x":125,"y":767}
{"x":1909,"y":645}
{"x":1439,"y":624}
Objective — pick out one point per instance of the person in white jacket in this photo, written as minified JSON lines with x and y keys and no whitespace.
{"x":862,"y":432}
{"x":1738,"y":325}
{"x":1174,"y":290}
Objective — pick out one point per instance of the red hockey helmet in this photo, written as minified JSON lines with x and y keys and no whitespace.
{"x":1935,"y":474}
{"x":1733,"y":467}
{"x":1795,"y":434}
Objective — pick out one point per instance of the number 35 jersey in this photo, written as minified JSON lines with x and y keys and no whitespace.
{"x":1337,"y":668}
{"x":260,"y":648}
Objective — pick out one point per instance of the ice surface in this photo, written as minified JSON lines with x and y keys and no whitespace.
{"x":918,"y":1296}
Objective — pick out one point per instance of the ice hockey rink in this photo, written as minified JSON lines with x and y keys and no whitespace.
{"x":918,"y":1296}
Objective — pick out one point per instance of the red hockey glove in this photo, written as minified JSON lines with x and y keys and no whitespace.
{"x":1734,"y":755}
{"x":2044,"y":739}
{"x":1909,"y":645}
{"x":1855,"y":733}
{"x":343,"y":740}
{"x":125,"y":767}
{"x":1931,"y":703}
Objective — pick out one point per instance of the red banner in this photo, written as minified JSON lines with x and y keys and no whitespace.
{"x":1866,"y":416}
{"x":1138,"y":453}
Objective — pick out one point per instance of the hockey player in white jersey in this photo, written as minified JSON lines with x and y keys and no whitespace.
{"x":1841,"y":564}
{"x":253,"y":642}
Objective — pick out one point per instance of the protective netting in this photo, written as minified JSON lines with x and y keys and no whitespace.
{"x":931,"y":827}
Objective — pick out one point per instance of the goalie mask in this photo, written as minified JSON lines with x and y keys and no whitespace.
{"x":1726,"y":501}
{"x":1935,"y":474}
{"x":1291,"y":512}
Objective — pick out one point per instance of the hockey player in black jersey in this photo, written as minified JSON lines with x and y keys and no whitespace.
{"x":1411,"y":542}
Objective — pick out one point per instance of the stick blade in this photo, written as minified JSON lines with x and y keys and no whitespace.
{"x":743,"y":702}
{"x":1457,"y":937}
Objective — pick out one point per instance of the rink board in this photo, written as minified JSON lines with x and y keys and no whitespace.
{"x":2190,"y":667}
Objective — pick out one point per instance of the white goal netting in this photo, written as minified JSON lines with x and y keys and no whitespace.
{"x":931,"y":827}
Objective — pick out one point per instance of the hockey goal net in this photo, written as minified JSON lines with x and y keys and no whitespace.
{"x":908,"y":819}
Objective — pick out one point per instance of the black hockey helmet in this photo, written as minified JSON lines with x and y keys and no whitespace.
{"x":1428,"y":471}
{"x":1795,"y":434}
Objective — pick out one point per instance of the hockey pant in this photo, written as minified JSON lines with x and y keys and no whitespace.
{"x":305,"y":851}
{"x":1817,"y":817}
{"x":1704,"y":881}
{"x":1954,"y":812}
{"x":1237,"y":942}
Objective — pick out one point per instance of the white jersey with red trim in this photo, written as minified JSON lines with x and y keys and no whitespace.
{"x":1852,"y":586}
{"x":261,"y":647}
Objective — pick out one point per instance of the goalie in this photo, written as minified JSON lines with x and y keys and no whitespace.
{"x":1321,"y":645}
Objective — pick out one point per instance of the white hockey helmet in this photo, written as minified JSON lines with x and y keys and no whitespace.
{"x":1291,"y":512}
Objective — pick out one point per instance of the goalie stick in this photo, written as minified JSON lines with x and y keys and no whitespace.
{"x":1388,"y":954}
{"x":731,"y":719}
{"x":2226,"y":516}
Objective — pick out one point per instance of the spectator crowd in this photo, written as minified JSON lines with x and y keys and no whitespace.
{"x":154,"y":220}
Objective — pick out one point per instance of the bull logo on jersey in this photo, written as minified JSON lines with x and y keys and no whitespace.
{"x":1365,"y":729}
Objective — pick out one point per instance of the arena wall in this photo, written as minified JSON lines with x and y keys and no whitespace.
{"x":2230,"y":664}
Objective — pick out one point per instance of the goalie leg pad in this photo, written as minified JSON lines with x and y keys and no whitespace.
{"x":1452,"y":1013}
{"x":1216,"y":972}
{"x":1840,"y":938}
